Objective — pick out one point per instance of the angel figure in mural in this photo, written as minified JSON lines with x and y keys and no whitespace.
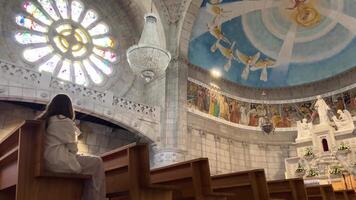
{"x":263,"y":65}
{"x":215,"y":10}
{"x":228,"y":53}
{"x":214,"y":28}
{"x":249,"y":61}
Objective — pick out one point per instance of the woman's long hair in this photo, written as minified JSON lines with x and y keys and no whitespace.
{"x":60,"y":105}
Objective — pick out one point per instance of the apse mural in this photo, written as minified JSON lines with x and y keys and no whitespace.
{"x":212,"y":101}
{"x":275,"y":43}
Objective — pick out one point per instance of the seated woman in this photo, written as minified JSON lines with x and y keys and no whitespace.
{"x":61,"y":151}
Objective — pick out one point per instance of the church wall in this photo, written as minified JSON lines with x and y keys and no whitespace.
{"x":95,"y":139}
{"x":232,"y":149}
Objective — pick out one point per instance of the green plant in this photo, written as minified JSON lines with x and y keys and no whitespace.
{"x":343,"y":147}
{"x":335,"y":170}
{"x":309,"y":152}
{"x":312,"y":173}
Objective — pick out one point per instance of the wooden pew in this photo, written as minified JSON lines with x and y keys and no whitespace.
{"x":320,"y":192}
{"x":22,"y":175}
{"x":191,"y":177}
{"x":249,"y":185}
{"x":345,"y":195}
{"x":128,"y":175}
{"x":288,"y":189}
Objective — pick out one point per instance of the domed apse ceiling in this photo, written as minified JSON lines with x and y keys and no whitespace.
{"x":275,"y":43}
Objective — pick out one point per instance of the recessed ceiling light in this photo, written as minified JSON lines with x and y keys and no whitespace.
{"x":215,"y":73}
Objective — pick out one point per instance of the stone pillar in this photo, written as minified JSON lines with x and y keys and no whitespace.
{"x":172,"y":145}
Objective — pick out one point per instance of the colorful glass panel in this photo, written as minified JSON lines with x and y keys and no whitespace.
{"x":50,"y":65}
{"x":64,"y":72}
{"x":47,"y":6}
{"x":106,"y":54}
{"x":79,"y":74}
{"x":35,"y":54}
{"x":104,"y":42}
{"x":36,"y":13}
{"x":62,"y":6}
{"x":103,"y":65}
{"x":30,"y":24}
{"x":90,"y":17}
{"x":29,"y":38}
{"x":93,"y":74}
{"x":77,"y":9}
{"x":99,"y":29}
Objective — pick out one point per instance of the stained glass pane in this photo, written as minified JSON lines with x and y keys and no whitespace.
{"x":81,"y":36}
{"x":30,"y":24}
{"x":80,"y":52}
{"x":29,"y":38}
{"x":103,"y":65}
{"x":94,"y":75}
{"x":79,"y":74}
{"x":36,"y":13}
{"x":77,"y":9}
{"x":89,"y":18}
{"x":50,"y":65}
{"x":61,"y":43}
{"x":106,"y":54}
{"x":64,"y":72}
{"x":62,"y":6}
{"x":99,"y":29}
{"x":104,"y":42}
{"x":33,"y":55}
{"x":47,"y":6}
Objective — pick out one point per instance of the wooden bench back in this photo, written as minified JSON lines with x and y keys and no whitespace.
{"x":192,"y":177}
{"x":345,"y":195}
{"x":127,"y":168}
{"x":250,"y":184}
{"x":292,"y":189}
{"x":9,"y":149}
{"x":25,"y":148}
{"x":320,"y":192}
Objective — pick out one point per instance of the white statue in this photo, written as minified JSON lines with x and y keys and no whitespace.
{"x":244,"y":116}
{"x":322,"y":109}
{"x":345,"y":121}
{"x":304,"y":129}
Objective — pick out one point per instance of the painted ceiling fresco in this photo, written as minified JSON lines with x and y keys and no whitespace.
{"x":275,"y":43}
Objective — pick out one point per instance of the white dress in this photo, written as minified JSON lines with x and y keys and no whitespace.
{"x":61,"y":156}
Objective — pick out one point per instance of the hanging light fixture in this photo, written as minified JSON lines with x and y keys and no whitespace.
{"x":148,"y":58}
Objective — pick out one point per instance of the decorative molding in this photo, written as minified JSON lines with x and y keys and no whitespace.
{"x":19,"y":83}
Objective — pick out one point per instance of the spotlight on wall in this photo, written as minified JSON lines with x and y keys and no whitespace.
{"x":215,"y":73}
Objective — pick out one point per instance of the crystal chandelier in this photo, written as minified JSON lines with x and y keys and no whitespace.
{"x":148,"y":58}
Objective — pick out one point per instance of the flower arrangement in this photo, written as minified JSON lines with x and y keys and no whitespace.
{"x":309,"y":154}
{"x":312,"y":173}
{"x":343,"y":148}
{"x":335,"y":170}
